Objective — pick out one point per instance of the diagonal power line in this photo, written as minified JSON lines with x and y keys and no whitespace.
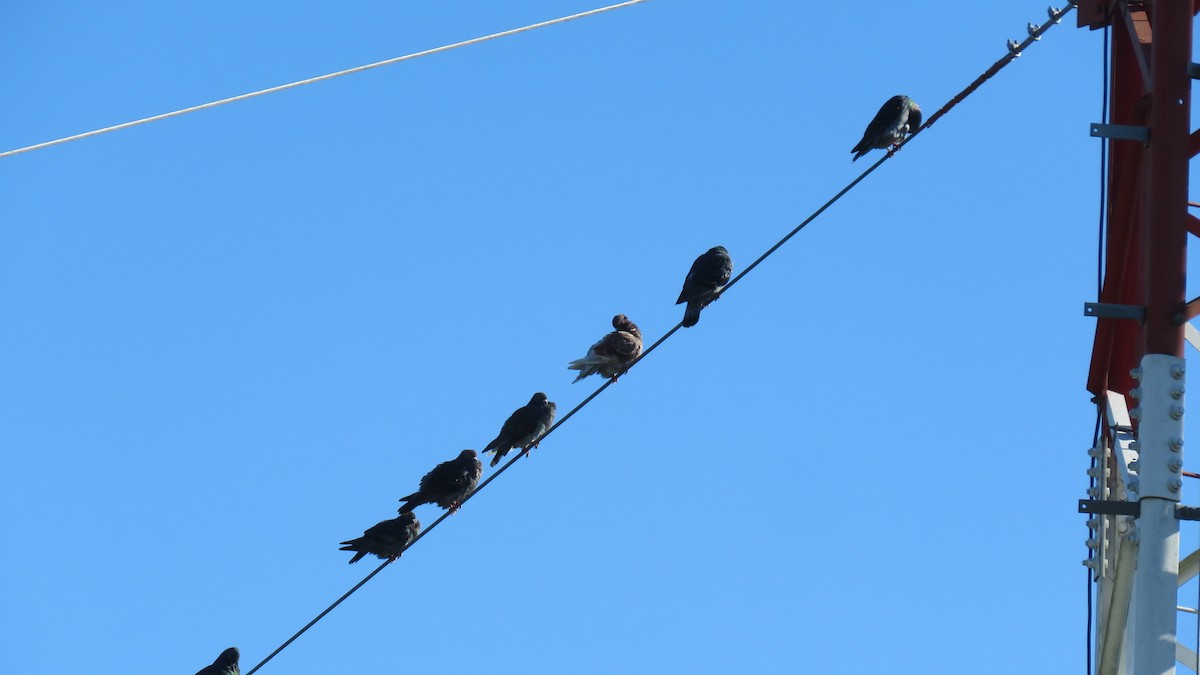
{"x":1014,"y":50}
{"x":319,"y":78}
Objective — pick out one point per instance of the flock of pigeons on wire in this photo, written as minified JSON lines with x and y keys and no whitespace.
{"x":450,"y":483}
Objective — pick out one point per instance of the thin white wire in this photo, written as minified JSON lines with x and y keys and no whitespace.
{"x":320,"y":78}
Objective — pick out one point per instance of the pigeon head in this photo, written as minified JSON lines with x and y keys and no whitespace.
{"x":718,"y":249}
{"x":914,"y":115}
{"x":467,"y":454}
{"x":622,"y":322}
{"x":229,"y":656}
{"x":539,"y":398}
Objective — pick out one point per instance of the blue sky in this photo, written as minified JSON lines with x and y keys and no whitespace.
{"x":236,"y":338}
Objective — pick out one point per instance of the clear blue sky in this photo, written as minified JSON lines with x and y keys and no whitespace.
{"x":234,"y":339}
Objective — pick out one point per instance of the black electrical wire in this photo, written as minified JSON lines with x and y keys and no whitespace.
{"x":1104,"y":150}
{"x":1103,"y":218}
{"x":1014,"y":52}
{"x":1100,"y":246}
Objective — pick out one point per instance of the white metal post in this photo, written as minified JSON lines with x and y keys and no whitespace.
{"x":1160,"y":445}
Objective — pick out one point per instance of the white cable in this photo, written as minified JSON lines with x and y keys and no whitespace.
{"x":320,"y":78}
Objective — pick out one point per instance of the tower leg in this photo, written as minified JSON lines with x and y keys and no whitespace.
{"x":1155,"y":582}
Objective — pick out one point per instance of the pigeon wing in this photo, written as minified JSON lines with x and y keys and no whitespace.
{"x":887,"y":117}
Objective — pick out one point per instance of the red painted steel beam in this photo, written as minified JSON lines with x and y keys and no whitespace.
{"x":1137,"y":22}
{"x":1165,"y":234}
{"x":1194,"y":144}
{"x":1145,"y":261}
{"x":1118,"y":343}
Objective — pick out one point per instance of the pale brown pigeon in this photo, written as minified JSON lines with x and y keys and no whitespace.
{"x":613,"y":353}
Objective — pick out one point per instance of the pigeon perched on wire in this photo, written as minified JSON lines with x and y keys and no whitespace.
{"x":897,"y":118}
{"x":226,"y":664}
{"x":704,"y":281}
{"x":614,"y":352}
{"x":448,"y":484}
{"x":524,"y":428}
{"x":385,"y":540}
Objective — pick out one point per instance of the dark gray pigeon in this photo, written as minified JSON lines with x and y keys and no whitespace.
{"x":896,"y":119}
{"x":523,"y":428}
{"x":385,"y":540}
{"x":613,"y":353}
{"x":226,"y":664}
{"x":704,"y":281}
{"x":448,"y":484}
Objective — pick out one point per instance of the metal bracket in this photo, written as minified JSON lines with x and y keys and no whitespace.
{"x":1107,"y":310}
{"x":1110,"y":508}
{"x":1187,"y":512}
{"x":1120,"y":508}
{"x":1194,"y":71}
{"x":1121,"y":132}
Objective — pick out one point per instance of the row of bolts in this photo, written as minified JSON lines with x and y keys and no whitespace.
{"x":1175,"y":464}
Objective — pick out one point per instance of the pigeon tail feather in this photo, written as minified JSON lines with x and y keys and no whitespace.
{"x":691,"y":315}
{"x":410,"y":503}
{"x":586,"y":366}
{"x":358,"y":555}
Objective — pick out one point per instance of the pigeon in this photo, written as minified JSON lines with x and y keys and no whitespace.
{"x":613,"y":353}
{"x":448,"y":484}
{"x":523,"y":428}
{"x":704,"y":281}
{"x":386,"y":540}
{"x":898,"y":117}
{"x":226,"y":664}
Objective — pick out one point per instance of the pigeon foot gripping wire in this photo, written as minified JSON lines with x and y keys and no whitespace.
{"x":525,"y":452}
